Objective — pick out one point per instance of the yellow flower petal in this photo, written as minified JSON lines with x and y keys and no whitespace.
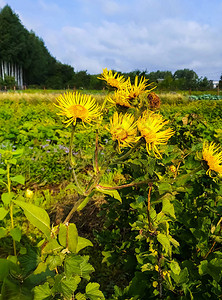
{"x":150,"y":126}
{"x":114,"y":80}
{"x":212,"y":154}
{"x":75,"y":106}
{"x":123,"y":129}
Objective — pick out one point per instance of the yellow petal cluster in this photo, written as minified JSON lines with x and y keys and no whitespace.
{"x":150,"y":126}
{"x":113,"y":79}
{"x":212,"y":154}
{"x":75,"y":106}
{"x":138,"y":88}
{"x":123,"y":129}
{"x":120,"y":97}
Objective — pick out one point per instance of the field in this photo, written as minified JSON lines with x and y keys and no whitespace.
{"x":95,"y":211}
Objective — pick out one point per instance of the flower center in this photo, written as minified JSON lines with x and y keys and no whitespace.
{"x":78,"y":111}
{"x":113,"y":82}
{"x":120,"y":134}
{"x":149,"y":135}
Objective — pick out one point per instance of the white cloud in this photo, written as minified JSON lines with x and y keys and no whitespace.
{"x":2,"y":3}
{"x":169,"y":44}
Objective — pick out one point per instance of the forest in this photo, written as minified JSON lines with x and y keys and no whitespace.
{"x":26,"y":62}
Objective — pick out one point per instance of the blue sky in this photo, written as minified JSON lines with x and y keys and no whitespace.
{"x":126,"y":35}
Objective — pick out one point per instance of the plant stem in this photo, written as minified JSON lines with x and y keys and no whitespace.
{"x":71,"y":158}
{"x":96,"y":153}
{"x":11,"y":204}
{"x":71,"y":144}
{"x":148,"y":206}
{"x":123,"y":157}
{"x":118,"y":187}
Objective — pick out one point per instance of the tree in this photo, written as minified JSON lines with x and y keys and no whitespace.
{"x":188,"y":79}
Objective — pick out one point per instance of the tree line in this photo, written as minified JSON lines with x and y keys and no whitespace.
{"x":26,"y":62}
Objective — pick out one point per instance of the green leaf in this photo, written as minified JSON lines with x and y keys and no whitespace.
{"x":164,"y":187}
{"x":69,"y":285}
{"x":54,"y":261}
{"x":3,"y":232}
{"x":164,"y":241}
{"x":93,"y":292}
{"x":82,"y":243}
{"x":37,"y":216}
{"x":168,"y":207}
{"x":42,"y":292}
{"x":78,"y":265}
{"x":19,"y":179}
{"x":80,"y":296}
{"x":12,"y":161}
{"x":5,"y":267}
{"x":7,"y":198}
{"x":174,"y":266}
{"x":83,"y":203}
{"x":213,"y":268}
{"x":18,"y":152}
{"x":13,"y":290}
{"x":182,"y":277}
{"x":63,"y":235}
{"x":52,"y":246}
{"x":72,"y":237}
{"x":111,"y":192}
{"x":2,"y":171}
{"x":3,"y":213}
{"x":16,"y":234}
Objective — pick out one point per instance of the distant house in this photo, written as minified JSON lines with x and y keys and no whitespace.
{"x":215,"y":83}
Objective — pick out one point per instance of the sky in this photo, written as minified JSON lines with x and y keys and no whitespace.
{"x":127,"y":35}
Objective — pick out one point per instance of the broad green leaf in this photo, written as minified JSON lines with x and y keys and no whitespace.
{"x":19,"y":179}
{"x":164,"y":241}
{"x":5,"y":267}
{"x":111,"y":192}
{"x":18,"y":152}
{"x":13,"y":290}
{"x":52,"y":246}
{"x":82,"y":243}
{"x":80,"y":296}
{"x":12,"y":161}
{"x":37,"y":216}
{"x":83,"y":203}
{"x":72,"y":237}
{"x":213,"y":268}
{"x":69,"y":285}
{"x":3,"y":213}
{"x":164,"y":187}
{"x":2,"y":171}
{"x":3,"y":232}
{"x":182,"y":277}
{"x":147,"y":267}
{"x":16,"y":234}
{"x":54,"y":261}
{"x":78,"y":265}
{"x":42,"y":266}
{"x":93,"y":292}
{"x":174,"y":266}
{"x":7,"y":198}
{"x":168,"y":207}
{"x":42,"y":292}
{"x":63,"y":235}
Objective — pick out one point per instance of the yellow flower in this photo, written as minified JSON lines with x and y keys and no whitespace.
{"x":213,"y":156}
{"x":123,"y":129}
{"x":113,"y":80}
{"x":150,"y":125}
{"x":120,"y":97}
{"x":75,"y":106}
{"x":138,"y":88}
{"x":29,"y":193}
{"x":155,"y":284}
